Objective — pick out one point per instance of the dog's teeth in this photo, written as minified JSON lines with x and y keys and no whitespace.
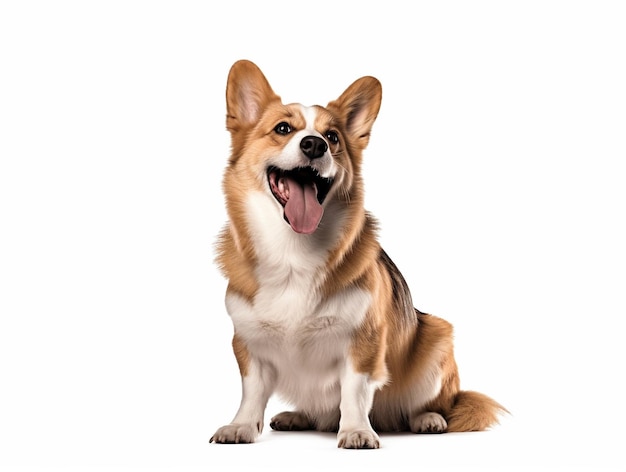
{"x":283,"y":187}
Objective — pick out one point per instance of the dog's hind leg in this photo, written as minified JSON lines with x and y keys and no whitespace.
{"x":428,"y":422}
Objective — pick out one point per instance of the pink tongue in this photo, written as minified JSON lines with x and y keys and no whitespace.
{"x":302,"y":208}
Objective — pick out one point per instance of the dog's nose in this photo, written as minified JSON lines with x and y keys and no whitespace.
{"x":313,"y":147}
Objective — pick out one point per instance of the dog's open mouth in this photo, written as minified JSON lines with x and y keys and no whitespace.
{"x":301,"y":192}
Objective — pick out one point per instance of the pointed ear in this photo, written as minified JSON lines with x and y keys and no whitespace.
{"x":358,"y":107}
{"x":247,"y":93}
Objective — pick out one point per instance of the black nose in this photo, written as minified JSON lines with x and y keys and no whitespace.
{"x":313,"y":147}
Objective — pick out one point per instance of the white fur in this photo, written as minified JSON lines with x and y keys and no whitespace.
{"x":256,"y":393}
{"x":357,"y":396}
{"x":289,"y":326}
{"x":248,"y":422}
{"x":302,"y":340}
{"x":309,"y":114}
{"x":280,"y":250}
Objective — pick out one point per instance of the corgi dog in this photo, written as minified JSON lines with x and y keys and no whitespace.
{"x":322,"y":316}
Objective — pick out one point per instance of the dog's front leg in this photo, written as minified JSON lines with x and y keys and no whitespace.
{"x":257,"y":386}
{"x":357,"y":396}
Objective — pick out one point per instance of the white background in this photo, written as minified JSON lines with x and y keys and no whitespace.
{"x":496,"y":169}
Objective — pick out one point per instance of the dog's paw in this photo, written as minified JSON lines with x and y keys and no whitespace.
{"x":358,"y":439}
{"x":235,"y":434}
{"x":429,"y":422}
{"x":290,"y":421}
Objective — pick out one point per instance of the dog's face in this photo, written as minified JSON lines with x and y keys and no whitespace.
{"x":300,"y":158}
{"x":299,"y":153}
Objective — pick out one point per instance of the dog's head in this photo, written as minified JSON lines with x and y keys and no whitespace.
{"x":299,"y":157}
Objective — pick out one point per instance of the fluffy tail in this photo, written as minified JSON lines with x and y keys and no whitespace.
{"x":473,"y":411}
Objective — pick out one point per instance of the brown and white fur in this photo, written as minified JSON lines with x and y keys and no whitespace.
{"x":322,"y":316}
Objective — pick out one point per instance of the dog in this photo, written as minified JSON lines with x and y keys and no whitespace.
{"x":322,"y":316}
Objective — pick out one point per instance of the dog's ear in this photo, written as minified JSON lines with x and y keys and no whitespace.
{"x":358,"y":107}
{"x":247,"y":93}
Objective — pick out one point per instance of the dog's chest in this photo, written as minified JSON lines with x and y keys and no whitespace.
{"x":289,"y":322}
{"x":288,"y":313}
{"x":303,"y":337}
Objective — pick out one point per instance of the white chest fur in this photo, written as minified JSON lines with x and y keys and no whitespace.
{"x":304,"y":336}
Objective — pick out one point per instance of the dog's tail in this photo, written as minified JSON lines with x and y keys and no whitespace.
{"x":473,"y":411}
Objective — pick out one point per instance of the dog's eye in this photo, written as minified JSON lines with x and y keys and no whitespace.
{"x":282,"y":128}
{"x":332,"y":137}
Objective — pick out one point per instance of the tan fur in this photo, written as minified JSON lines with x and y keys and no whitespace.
{"x":241,"y":354}
{"x":408,"y":354}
